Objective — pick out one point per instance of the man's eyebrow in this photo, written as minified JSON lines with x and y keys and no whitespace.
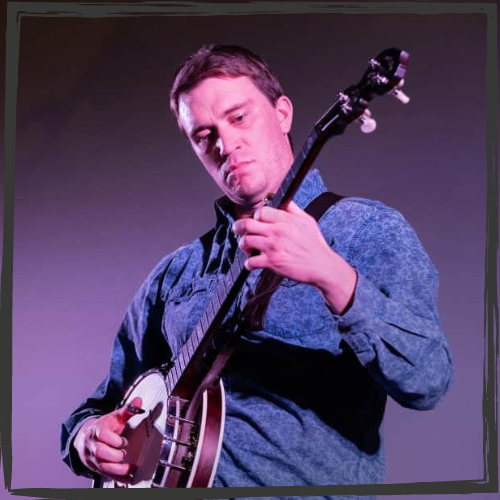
{"x":236,"y":107}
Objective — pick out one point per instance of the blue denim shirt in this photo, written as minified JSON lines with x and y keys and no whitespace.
{"x":305,"y":396}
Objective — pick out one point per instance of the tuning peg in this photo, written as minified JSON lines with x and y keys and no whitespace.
{"x":368,"y":124}
{"x":399,"y":94}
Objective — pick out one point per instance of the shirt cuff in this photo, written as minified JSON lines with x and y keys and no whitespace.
{"x":358,"y":325}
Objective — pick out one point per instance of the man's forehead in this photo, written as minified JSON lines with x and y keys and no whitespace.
{"x":219,"y":95}
{"x":215,"y":86}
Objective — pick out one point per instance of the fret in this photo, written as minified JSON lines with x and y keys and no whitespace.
{"x":231,"y":273}
{"x":211,"y":308}
{"x":214,"y":307}
{"x":170,"y":381}
{"x":198,"y":330}
{"x":171,"y":375}
{"x":181,"y":360}
{"x":193,"y":339}
{"x":216,"y":303}
{"x":185,"y":357}
{"x":241,"y":258}
{"x":208,"y":315}
{"x":290,"y":176}
{"x":189,"y":346}
{"x":186,"y":349}
{"x":226,"y":287}
{"x":276,"y":201}
{"x":281,"y":193}
{"x":177,"y":370}
{"x":221,"y":292}
{"x":311,"y":142}
{"x":204,"y":320}
{"x":236,"y":265}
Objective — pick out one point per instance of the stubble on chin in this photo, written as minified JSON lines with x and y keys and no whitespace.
{"x":246,"y":203}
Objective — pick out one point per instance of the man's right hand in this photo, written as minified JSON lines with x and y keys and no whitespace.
{"x":102,"y":448}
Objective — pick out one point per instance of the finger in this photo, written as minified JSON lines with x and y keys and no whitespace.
{"x":268,"y":214}
{"x":258,"y":262}
{"x":249,"y":243}
{"x":117,"y":472}
{"x":245,"y":226}
{"x":103,"y":453}
{"x":110,"y":438}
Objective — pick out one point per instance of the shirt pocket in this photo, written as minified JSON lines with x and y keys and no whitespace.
{"x":297,"y":310}
{"x":184,"y":306}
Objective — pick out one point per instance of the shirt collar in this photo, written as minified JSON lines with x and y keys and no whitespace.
{"x":311,"y":187}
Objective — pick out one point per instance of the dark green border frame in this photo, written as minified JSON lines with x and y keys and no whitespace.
{"x":17,"y":10}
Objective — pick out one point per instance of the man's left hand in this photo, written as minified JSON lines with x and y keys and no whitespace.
{"x":290,"y":243}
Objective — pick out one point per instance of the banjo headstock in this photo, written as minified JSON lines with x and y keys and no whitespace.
{"x":384,"y":75}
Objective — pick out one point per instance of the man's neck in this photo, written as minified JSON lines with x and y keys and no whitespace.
{"x":243,"y":212}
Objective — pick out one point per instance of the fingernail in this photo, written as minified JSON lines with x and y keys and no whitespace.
{"x":124,"y":442}
{"x":136,"y":410}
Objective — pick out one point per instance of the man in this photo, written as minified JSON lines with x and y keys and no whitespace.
{"x":354,"y":320}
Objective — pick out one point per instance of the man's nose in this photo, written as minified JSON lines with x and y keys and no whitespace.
{"x":227,"y":142}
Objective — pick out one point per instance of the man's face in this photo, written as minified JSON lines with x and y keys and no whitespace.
{"x":239,"y":136}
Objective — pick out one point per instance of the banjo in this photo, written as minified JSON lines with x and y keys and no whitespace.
{"x":176,"y":441}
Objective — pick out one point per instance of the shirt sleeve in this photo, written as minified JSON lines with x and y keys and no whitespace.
{"x":393,"y":325}
{"x":138,"y":346}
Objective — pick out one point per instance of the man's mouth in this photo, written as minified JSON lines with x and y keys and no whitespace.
{"x":233,"y":167}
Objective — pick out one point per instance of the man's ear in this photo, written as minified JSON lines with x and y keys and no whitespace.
{"x":284,"y":112}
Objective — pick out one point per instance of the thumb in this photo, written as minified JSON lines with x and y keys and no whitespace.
{"x":125,"y":413}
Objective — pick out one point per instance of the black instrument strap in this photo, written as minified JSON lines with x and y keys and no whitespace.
{"x":269,"y":281}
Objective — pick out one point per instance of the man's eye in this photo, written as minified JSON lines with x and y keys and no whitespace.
{"x":239,"y":118}
{"x":203,"y":138}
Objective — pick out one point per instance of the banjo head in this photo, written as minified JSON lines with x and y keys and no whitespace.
{"x":168,"y":449}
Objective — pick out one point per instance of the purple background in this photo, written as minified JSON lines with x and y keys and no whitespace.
{"x":106,"y":185}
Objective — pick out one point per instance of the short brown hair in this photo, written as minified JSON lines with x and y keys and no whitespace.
{"x":226,"y":61}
